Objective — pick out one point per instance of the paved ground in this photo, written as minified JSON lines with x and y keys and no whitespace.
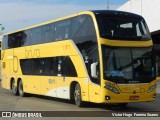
{"x":9,"y":102}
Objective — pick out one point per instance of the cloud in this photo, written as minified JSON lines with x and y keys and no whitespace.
{"x":16,"y":15}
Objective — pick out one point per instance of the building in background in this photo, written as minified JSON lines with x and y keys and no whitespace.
{"x":150,"y":10}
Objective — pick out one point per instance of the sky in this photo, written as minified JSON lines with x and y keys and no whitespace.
{"x":17,"y":14}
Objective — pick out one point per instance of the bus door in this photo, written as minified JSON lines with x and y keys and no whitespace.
{"x":66,"y":73}
{"x":48,"y":86}
{"x":48,"y":79}
{"x":60,"y":78}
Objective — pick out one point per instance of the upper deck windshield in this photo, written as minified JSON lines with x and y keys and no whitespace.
{"x":118,"y":26}
{"x":128,"y":65}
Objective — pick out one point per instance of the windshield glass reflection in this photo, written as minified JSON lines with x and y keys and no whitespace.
{"x":128,"y":64}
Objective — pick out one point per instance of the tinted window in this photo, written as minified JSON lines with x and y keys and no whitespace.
{"x":123,"y":27}
{"x":80,"y":29}
{"x":11,"y":40}
{"x":68,"y":68}
{"x":17,"y":39}
{"x":39,"y":66}
{"x":84,"y":34}
{"x":5,"y":42}
{"x":36,"y":35}
{"x":27,"y":37}
{"x":62,"y":30}
{"x":48,"y":66}
{"x":26,"y":66}
{"x":83,"y":29}
{"x":76,"y":23}
{"x":48,"y":33}
{"x":129,"y":65}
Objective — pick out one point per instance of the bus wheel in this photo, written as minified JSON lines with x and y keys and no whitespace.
{"x":20,"y":89}
{"x":77,"y":96}
{"x":14,"y":88}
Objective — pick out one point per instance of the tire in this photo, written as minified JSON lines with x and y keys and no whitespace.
{"x":14,"y":88}
{"x":77,"y":96}
{"x":20,"y":89}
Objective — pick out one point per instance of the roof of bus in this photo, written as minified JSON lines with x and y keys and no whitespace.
{"x":114,"y":12}
{"x":106,"y":12}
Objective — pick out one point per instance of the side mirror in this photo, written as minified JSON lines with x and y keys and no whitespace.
{"x":94,"y":70}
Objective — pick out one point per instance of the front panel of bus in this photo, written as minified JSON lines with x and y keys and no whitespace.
{"x":127,"y":59}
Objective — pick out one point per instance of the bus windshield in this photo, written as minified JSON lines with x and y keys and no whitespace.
{"x":128,"y":65}
{"x":121,"y":27}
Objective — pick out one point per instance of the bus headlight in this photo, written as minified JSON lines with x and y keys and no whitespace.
{"x":151,"y":88}
{"x":111,"y":88}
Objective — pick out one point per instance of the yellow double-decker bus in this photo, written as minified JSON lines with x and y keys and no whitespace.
{"x":95,"y":56}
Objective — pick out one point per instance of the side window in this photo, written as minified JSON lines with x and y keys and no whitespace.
{"x":68,"y":68}
{"x":37,"y":66}
{"x":53,"y":66}
{"x":26,"y":66}
{"x":36,"y":35}
{"x":84,"y":36}
{"x":76,"y":23}
{"x":49,"y":66}
{"x":62,"y":66}
{"x":11,"y":40}
{"x":62,"y":29}
{"x":48,"y":33}
{"x":5,"y":42}
{"x":83,"y":33}
{"x":26,"y":37}
{"x":16,"y":39}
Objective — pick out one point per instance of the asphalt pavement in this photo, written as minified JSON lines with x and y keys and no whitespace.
{"x":9,"y":102}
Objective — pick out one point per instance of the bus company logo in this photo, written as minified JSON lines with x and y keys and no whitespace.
{"x":6,"y":114}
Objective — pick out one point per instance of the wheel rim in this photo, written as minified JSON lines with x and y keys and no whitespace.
{"x":77,"y":96}
{"x":13,"y":87}
{"x":20,"y":89}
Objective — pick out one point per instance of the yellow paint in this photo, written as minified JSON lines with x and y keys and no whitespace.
{"x":58,"y":84}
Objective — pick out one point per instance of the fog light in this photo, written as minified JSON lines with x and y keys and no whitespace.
{"x":154,"y":96}
{"x":107,"y":97}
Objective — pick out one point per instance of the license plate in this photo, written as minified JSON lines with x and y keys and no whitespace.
{"x":134,"y":98}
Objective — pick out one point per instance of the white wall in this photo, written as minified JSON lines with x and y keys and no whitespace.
{"x":149,"y":9}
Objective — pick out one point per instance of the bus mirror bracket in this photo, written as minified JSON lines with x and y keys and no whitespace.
{"x":94,"y":72}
